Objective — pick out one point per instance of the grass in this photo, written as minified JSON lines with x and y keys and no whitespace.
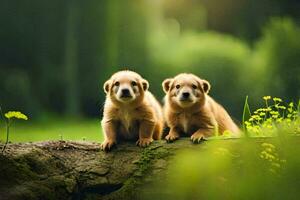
{"x":248,"y":168}
{"x":53,"y":129}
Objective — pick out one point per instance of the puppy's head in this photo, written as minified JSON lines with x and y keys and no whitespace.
{"x":186,"y":90}
{"x":126,"y":87}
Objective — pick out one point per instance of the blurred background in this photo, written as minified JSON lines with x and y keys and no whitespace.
{"x":56,"y":55}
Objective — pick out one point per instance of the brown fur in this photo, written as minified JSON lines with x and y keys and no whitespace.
{"x":199,"y":116}
{"x":139,"y":119}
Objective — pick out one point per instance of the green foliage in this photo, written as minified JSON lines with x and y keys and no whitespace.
{"x":231,"y":65}
{"x":278,"y":54}
{"x":275,"y":115}
{"x":234,"y":169}
{"x":222,"y":59}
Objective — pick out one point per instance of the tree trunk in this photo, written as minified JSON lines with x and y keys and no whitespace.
{"x":112,"y":33}
{"x":71,"y":59}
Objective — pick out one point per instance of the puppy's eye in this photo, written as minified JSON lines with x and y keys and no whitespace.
{"x":177,"y":86}
{"x":133,"y":83}
{"x":194,"y":86}
{"x":117,"y":83}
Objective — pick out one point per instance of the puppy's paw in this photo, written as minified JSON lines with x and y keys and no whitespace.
{"x":171,"y":137}
{"x":197,"y":137}
{"x":144,"y":142}
{"x":107,"y":145}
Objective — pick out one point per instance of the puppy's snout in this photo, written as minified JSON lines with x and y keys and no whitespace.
{"x":125,"y":92}
{"x":185,"y":95}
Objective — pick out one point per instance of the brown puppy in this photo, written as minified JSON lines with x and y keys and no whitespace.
{"x":190,"y":110}
{"x":130,"y":112}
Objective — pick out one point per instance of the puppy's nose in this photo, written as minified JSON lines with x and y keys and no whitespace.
{"x":186,"y":94}
{"x":125,"y":92}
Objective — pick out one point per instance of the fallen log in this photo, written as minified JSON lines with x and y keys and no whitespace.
{"x":80,"y":170}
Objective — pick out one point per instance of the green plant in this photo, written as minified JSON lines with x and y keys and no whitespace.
{"x":246,"y":114}
{"x":8,"y":119}
{"x":276,"y":114}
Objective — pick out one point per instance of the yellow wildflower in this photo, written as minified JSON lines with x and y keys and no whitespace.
{"x":247,"y":123}
{"x":275,"y":116}
{"x":276,"y":99}
{"x":15,"y":114}
{"x":269,"y":149}
{"x":268,"y":145}
{"x":267,"y":97}
{"x":274,"y":112}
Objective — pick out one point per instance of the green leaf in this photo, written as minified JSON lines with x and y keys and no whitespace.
{"x":246,"y":114}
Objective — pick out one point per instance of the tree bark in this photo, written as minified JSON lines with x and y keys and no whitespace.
{"x":79,"y":170}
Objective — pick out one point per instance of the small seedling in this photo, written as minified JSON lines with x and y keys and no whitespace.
{"x":8,"y":119}
{"x":61,"y":137}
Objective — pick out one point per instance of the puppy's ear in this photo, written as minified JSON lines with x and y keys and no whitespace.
{"x":205,"y":86}
{"x":167,"y":84}
{"x":145,"y":84}
{"x":106,"y":86}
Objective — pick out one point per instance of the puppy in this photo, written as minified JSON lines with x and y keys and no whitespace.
{"x":190,"y":110}
{"x":130,"y":111}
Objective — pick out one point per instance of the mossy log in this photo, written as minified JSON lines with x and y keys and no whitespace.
{"x":80,"y":170}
